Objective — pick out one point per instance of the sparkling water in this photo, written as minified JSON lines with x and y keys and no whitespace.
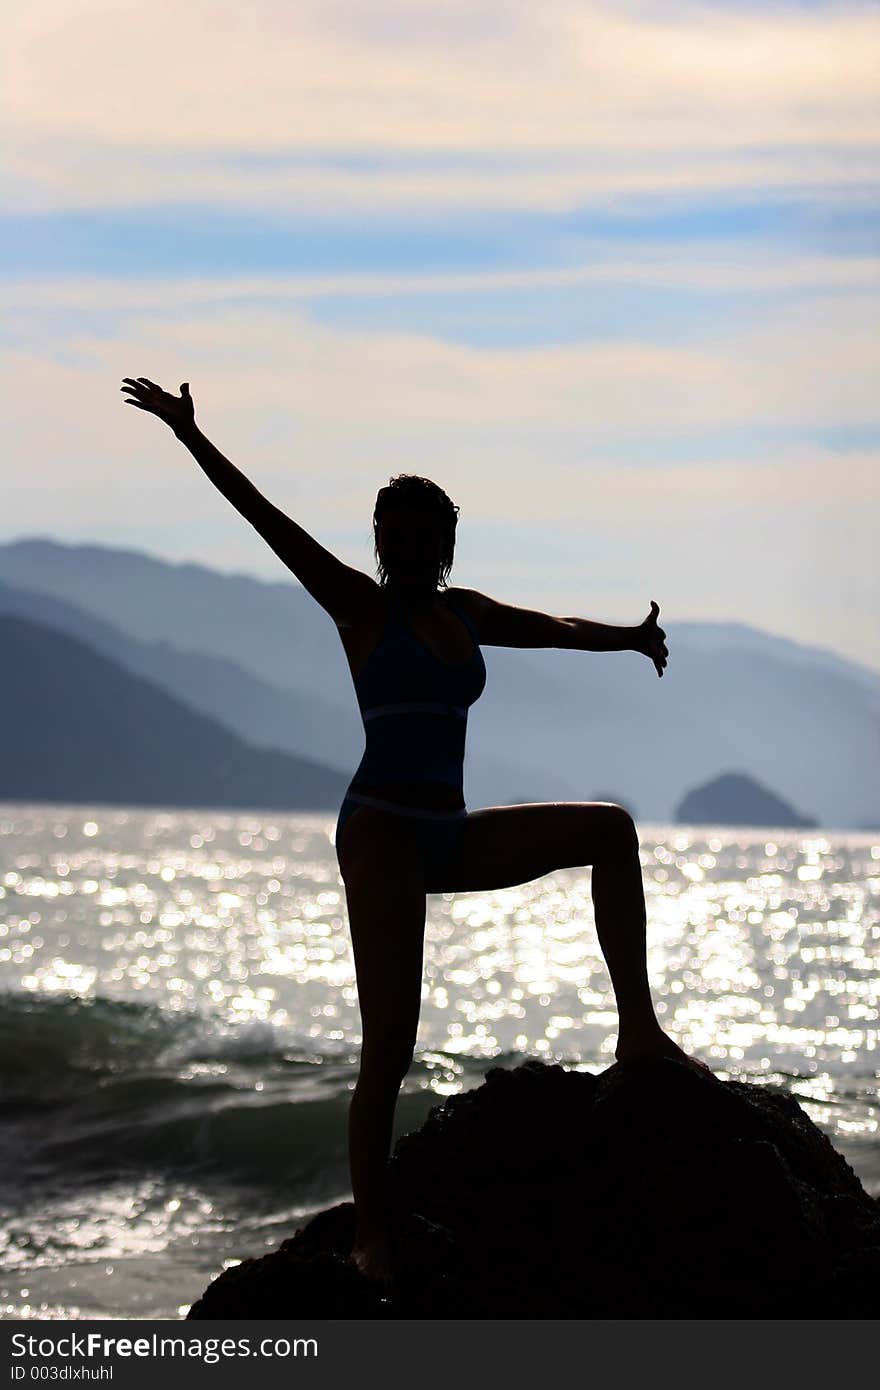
{"x":180,"y":1027}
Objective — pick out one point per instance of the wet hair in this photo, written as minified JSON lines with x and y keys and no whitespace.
{"x":408,"y":490}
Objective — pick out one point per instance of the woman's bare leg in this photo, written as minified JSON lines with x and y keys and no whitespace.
{"x":385,"y":893}
{"x":385,"y":890}
{"x":502,"y":846}
{"x":619,"y":905}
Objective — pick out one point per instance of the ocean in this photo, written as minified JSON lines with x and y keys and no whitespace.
{"x":179,"y":1027}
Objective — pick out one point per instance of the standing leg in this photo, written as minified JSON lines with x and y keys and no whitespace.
{"x":384,"y":887}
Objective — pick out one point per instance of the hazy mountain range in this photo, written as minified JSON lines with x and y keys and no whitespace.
{"x":77,"y":727}
{"x":261,"y":665}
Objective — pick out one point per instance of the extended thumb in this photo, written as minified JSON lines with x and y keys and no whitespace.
{"x":184,"y":388}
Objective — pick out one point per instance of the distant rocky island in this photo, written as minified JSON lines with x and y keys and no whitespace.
{"x":734,"y":798}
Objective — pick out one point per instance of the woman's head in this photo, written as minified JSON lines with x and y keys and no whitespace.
{"x":414,"y":532}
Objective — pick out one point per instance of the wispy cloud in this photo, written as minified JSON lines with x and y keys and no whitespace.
{"x":267,"y":378}
{"x":563,"y":103}
{"x":608,"y":271}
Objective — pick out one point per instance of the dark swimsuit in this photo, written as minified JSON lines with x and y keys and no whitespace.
{"x":414,"y":707}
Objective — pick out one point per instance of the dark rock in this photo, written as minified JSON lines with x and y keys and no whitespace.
{"x":308,"y":1274}
{"x":649,"y":1191}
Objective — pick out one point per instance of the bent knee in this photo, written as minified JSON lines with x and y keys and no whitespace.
{"x":619,"y":830}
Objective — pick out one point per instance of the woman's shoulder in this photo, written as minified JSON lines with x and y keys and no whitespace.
{"x":470,"y":602}
{"x":373,"y":607}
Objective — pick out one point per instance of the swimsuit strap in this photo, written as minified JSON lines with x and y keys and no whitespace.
{"x":466,"y":620}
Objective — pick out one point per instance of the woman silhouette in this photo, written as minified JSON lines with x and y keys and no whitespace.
{"x":413,"y":647}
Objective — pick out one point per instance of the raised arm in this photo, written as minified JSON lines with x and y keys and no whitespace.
{"x":339,"y":588}
{"x":503,"y":625}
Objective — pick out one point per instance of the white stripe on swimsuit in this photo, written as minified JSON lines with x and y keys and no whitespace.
{"x":418,"y":811}
{"x":414,"y":707}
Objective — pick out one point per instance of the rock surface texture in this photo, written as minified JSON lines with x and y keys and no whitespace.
{"x":649,"y":1191}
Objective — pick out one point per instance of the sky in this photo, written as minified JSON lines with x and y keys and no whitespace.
{"x":609,"y":273}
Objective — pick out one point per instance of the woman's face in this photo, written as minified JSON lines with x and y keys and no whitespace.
{"x":409,"y":543}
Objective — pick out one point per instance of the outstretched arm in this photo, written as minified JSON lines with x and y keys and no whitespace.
{"x":337,"y":587}
{"x":503,"y":625}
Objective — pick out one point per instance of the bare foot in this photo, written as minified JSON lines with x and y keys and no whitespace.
{"x":374,"y":1262}
{"x":657,"y":1045}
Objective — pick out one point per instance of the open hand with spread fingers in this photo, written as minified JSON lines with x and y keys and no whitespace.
{"x":178,"y":412}
{"x":651,"y":639}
